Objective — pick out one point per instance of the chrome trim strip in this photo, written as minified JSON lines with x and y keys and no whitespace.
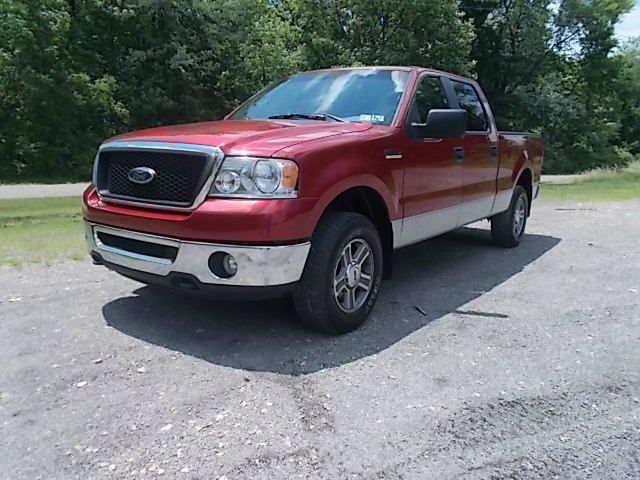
{"x":126,"y":253}
{"x":475,"y":210}
{"x":426,"y":225}
{"x":215,"y":154}
{"x":164,"y":146}
{"x":421,"y":227}
{"x":257,"y":265}
{"x":501,"y":201}
{"x":396,"y":228}
{"x":94,"y":172}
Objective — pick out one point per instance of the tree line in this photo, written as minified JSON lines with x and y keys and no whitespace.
{"x":74,"y":72}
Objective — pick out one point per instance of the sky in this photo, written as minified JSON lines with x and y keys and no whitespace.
{"x":630,"y":24}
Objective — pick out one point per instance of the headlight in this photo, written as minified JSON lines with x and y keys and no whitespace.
{"x":256,"y":178}
{"x":227,"y":182}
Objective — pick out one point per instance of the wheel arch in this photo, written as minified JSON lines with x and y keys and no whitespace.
{"x":370,"y":202}
{"x":525,"y":180}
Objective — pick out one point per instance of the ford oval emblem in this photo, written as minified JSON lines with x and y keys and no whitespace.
{"x":141,"y":175}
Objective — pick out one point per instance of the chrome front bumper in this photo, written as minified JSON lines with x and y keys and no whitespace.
{"x":258,"y":266}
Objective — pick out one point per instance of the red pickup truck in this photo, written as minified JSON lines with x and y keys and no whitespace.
{"x":308,"y":187}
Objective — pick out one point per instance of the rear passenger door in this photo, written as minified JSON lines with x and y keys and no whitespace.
{"x":480,"y":163}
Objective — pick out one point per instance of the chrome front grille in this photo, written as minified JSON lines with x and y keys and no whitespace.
{"x":179,"y":173}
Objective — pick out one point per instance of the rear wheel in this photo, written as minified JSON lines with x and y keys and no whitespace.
{"x":507,"y":228}
{"x":342,"y":277}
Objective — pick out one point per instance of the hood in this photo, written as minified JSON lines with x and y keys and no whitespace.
{"x":262,"y":138}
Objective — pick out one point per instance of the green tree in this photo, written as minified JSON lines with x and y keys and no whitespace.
{"x":512,"y":48}
{"x":175,"y":59}
{"x":550,"y":67}
{"x":74,"y":72}
{"x":628,"y":89}
{"x":52,"y":112}
{"x":378,"y":32}
{"x":271,"y":49}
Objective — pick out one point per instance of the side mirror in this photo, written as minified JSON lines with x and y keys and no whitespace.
{"x":442,"y":123}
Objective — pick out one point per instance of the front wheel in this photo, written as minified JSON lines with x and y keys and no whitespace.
{"x":507,"y":228}
{"x":342,"y":276}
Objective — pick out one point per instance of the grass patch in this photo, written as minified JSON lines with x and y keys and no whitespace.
{"x":41,"y":230}
{"x":599,"y":185}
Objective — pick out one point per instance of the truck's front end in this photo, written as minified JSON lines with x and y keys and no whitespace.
{"x":166,"y":213}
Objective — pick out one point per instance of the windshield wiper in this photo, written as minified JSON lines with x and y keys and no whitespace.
{"x":308,"y":116}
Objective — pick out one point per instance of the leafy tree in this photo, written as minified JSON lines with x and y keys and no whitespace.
{"x":550,"y":67}
{"x":52,"y":112}
{"x":628,"y":89}
{"x":383,"y":32}
{"x":271,"y":50}
{"x":511,"y":48}
{"x":74,"y":72}
{"x":174,"y":59}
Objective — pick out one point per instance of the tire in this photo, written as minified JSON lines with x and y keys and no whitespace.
{"x":338,"y":237}
{"x":507,"y":228}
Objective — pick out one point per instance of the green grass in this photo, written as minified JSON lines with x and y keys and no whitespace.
{"x":40,"y":230}
{"x":599,"y":185}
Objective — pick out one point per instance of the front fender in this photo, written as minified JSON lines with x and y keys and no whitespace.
{"x":364,"y":180}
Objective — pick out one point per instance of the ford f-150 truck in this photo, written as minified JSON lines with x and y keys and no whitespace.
{"x":308,"y":187}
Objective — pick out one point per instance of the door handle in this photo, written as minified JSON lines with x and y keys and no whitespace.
{"x":392,"y":154}
{"x":493,"y":150}
{"x":458,"y":154}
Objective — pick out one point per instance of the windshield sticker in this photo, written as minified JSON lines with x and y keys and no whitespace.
{"x":366,"y":117}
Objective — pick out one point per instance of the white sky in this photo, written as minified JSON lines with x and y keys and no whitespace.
{"x":630,"y":24}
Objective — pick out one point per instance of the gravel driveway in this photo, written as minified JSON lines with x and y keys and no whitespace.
{"x":523,"y":363}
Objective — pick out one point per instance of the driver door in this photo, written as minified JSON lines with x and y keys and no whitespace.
{"x":433,"y":174}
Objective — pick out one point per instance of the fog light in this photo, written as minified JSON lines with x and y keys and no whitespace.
{"x":223,"y":265}
{"x":229,"y":264}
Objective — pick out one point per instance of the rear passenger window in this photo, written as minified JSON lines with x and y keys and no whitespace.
{"x":468,"y":99}
{"x":429,"y":95}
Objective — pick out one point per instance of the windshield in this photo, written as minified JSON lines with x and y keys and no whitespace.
{"x":359,"y":95}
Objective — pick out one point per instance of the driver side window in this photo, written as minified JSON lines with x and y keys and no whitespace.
{"x":429,"y":95}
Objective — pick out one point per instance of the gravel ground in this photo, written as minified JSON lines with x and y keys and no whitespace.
{"x":523,"y":363}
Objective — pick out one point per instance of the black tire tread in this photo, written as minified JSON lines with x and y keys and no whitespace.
{"x":501,"y":224}
{"x":309,"y":295}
